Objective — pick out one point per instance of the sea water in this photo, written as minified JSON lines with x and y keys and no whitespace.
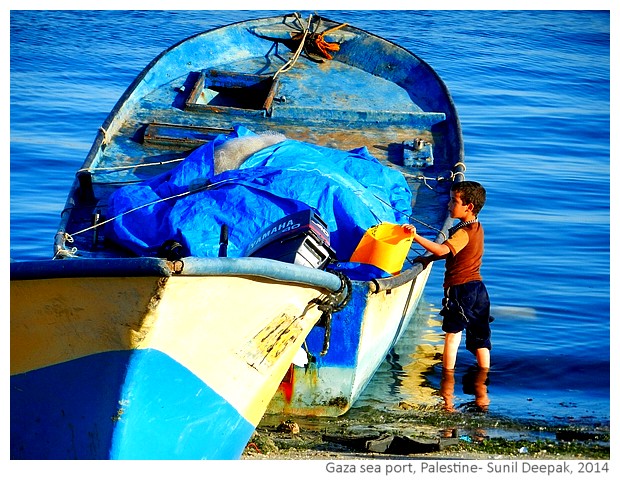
{"x":532,"y":89}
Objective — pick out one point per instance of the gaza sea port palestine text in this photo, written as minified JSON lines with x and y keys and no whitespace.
{"x":411,"y":468}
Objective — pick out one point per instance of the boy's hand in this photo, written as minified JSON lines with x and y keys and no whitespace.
{"x":409,"y":228}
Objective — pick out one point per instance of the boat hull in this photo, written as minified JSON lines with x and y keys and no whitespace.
{"x":361,"y":337}
{"x":148,"y":367}
{"x":66,"y":411}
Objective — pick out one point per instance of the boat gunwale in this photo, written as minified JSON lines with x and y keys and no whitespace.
{"x":262,"y":268}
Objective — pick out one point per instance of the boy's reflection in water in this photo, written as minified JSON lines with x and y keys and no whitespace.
{"x":475,"y":382}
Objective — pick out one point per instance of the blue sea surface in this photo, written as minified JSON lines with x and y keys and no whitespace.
{"x":532,"y":89}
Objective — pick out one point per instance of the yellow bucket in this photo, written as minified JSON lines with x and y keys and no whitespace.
{"x":385,"y":246}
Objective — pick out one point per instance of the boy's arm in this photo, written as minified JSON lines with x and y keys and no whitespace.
{"x":439,"y":251}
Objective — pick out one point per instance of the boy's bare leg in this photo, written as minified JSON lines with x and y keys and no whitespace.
{"x":483,"y":356}
{"x":446,"y":389}
{"x":450,"y":349}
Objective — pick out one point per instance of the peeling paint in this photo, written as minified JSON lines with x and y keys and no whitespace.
{"x":263,"y":350}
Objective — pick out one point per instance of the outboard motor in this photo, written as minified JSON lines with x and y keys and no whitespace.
{"x":301,"y":238}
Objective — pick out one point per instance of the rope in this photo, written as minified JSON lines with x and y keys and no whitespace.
{"x":291,"y":62}
{"x":305,"y":30}
{"x":106,"y":139}
{"x":339,"y":299}
{"x":410,"y":217}
{"x":454,"y":174}
{"x":439,"y":178}
{"x":69,"y":237}
{"x":66,"y":253}
{"x":331,"y":304}
{"x":128,"y":167}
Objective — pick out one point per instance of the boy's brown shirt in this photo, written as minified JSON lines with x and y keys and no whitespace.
{"x":467,"y":247}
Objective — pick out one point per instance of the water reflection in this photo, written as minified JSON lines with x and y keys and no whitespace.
{"x":475,"y":382}
{"x":412,"y":376}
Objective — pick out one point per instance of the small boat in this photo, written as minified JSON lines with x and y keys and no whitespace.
{"x":233,"y":244}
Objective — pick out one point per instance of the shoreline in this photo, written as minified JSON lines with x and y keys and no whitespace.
{"x":439,"y":435}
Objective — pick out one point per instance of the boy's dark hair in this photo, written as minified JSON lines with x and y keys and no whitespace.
{"x":471,"y":192}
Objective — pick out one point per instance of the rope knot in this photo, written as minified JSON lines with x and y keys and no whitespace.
{"x":332,"y":303}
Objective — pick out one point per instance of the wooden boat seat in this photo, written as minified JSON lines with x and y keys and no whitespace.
{"x":183,"y":136}
{"x":216,"y":91}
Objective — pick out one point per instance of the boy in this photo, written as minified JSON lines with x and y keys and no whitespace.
{"x":466,"y":302}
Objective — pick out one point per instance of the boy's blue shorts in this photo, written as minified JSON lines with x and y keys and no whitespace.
{"x":467,"y":307}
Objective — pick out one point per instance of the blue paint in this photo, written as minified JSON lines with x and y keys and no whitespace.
{"x":148,"y":407}
{"x":345,"y":333}
{"x":64,"y":411}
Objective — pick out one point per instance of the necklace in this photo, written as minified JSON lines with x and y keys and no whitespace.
{"x":452,"y":230}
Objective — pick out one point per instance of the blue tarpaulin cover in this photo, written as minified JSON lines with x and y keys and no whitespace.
{"x":351,"y":191}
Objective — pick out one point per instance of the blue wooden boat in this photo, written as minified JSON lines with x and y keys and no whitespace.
{"x":175,"y":313}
